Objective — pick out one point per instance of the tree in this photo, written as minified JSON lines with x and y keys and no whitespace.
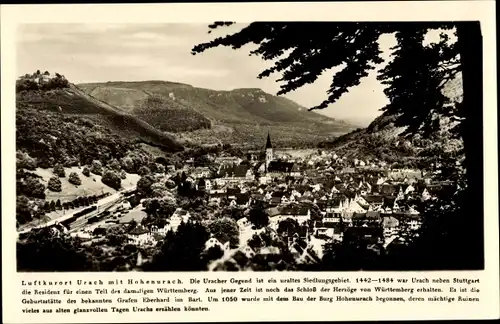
{"x":159,"y":208}
{"x":224,"y":230}
{"x":157,"y":168}
{"x":96,"y":167}
{"x":46,"y":207}
{"x":23,"y":210}
{"x":288,"y":227}
{"x":54,"y":184}
{"x":116,"y":236}
{"x":182,"y":250}
{"x":303,"y":51}
{"x":59,"y":171}
{"x":32,"y":187}
{"x":52,"y":205}
{"x":23,"y":160}
{"x":48,"y":251}
{"x":114,"y":165}
{"x":58,"y":204}
{"x":74,"y":179}
{"x":143,"y":170}
{"x":255,"y":242}
{"x":86,"y":172}
{"x":258,"y":216}
{"x":213,"y":253}
{"x":111,"y":179}
{"x":144,"y":185}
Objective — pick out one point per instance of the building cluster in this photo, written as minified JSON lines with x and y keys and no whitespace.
{"x":323,"y":197}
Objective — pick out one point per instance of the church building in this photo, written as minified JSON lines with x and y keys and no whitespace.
{"x":269,"y":151}
{"x":276,"y":168}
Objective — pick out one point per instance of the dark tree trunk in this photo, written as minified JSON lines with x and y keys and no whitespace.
{"x":471,"y":55}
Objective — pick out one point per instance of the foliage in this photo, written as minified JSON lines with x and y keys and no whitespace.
{"x":54,"y":184}
{"x":255,"y":242}
{"x":59,"y":171}
{"x":74,"y":179}
{"x":224,"y":230}
{"x":258,"y":217}
{"x":111,"y":179}
{"x":29,"y":184}
{"x":47,"y":250}
{"x":169,"y":115}
{"x":23,"y":160}
{"x":96,"y":167}
{"x":213,"y":253}
{"x":52,"y":139}
{"x":144,"y":185}
{"x":159,"y":208}
{"x":288,"y":227}
{"x":182,"y":250}
{"x":144,"y":170}
{"x":86,"y":172}
{"x":116,"y":235}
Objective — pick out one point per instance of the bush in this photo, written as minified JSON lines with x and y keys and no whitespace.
{"x":96,"y":167}
{"x":123,"y":174}
{"x":23,"y":160}
{"x":225,"y":229}
{"x":74,"y":179}
{"x":144,"y":170}
{"x":32,"y":187}
{"x":114,"y":165}
{"x":54,"y":184}
{"x":144,"y":185}
{"x":157,"y":168}
{"x":59,"y":171}
{"x":111,"y":179}
{"x":86,"y":172}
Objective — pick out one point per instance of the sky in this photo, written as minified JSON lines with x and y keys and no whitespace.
{"x":138,"y":52}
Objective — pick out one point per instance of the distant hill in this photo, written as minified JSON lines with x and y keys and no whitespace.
{"x":382,"y":139}
{"x":209,"y":116}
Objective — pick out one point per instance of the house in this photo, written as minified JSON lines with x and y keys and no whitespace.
{"x":244,"y":224}
{"x":179,"y":216}
{"x":201,"y":173}
{"x":332,"y":230}
{"x":140,"y":235}
{"x":425,"y":195}
{"x":280,"y":169}
{"x":374,"y":200}
{"x":300,"y":214}
{"x":363,"y":235}
{"x":234,"y":174}
{"x":269,"y":250}
{"x":390,"y":225}
{"x":228,"y":160}
{"x":213,"y":242}
{"x":247,"y":251}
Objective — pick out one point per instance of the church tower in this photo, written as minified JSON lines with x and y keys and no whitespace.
{"x":269,"y":151}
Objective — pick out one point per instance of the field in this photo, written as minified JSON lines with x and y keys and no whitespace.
{"x":90,"y":185}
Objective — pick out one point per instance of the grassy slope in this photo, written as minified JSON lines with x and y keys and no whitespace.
{"x":88,"y":187}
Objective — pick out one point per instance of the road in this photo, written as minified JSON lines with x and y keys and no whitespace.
{"x":102,"y":204}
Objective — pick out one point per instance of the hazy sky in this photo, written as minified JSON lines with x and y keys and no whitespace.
{"x":99,"y":53}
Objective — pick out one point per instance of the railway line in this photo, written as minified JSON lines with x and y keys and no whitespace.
{"x":79,"y":219}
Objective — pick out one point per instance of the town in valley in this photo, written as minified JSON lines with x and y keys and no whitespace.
{"x":155,"y":175}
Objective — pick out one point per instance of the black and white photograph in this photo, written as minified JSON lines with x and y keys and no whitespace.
{"x":249,"y":146}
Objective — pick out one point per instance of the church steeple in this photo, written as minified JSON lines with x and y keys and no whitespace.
{"x":269,"y":151}
{"x":268,"y":143}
